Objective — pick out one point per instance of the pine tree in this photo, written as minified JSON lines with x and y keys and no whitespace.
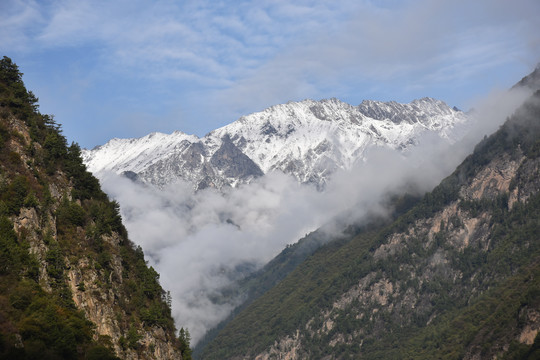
{"x":185,"y":338}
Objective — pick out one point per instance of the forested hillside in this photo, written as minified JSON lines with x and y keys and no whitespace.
{"x":457,"y":276}
{"x":72,"y":285}
{"x":258,"y":283}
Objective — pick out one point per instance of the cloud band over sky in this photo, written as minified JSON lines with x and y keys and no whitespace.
{"x":126,"y":68}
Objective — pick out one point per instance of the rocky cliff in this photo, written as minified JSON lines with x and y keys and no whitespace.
{"x":72,"y":284}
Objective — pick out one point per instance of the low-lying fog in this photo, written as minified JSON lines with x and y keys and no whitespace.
{"x":200,"y":242}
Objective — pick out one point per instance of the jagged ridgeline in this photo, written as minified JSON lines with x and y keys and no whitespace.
{"x":455,"y":277}
{"x":72,"y":285}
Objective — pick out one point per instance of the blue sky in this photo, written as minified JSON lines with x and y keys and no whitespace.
{"x":125,"y":68}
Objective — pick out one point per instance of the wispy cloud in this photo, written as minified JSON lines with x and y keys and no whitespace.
{"x":16,"y":19}
{"x":412,"y":46}
{"x":245,"y":39}
{"x":220,"y":60}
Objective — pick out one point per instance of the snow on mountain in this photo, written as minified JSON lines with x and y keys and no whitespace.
{"x":308,"y":139}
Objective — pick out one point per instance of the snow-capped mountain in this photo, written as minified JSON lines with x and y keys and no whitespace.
{"x":308,"y":139}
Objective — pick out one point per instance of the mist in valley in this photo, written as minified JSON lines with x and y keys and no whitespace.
{"x":201,"y":242}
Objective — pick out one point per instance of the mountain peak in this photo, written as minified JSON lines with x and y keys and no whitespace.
{"x":531,"y":81}
{"x":423,"y":110}
{"x":307,"y":139}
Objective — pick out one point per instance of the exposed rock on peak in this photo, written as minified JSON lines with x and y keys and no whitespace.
{"x":234,"y":164}
{"x":424,"y":111}
{"x":308,"y":139}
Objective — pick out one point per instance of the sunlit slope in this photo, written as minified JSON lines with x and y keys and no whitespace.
{"x":469,"y":249}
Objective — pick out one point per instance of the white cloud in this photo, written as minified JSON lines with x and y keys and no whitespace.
{"x":418,"y":44}
{"x":16,"y":18}
{"x":221,"y":60}
{"x":309,"y":42}
{"x":197,"y":242}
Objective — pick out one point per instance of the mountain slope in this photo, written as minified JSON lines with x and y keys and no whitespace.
{"x":309,"y":140}
{"x":72,"y":285}
{"x":425,"y":286}
{"x":256,"y":284}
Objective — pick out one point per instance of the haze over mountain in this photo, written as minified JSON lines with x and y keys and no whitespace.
{"x":217,"y":235}
{"x":53,"y":213}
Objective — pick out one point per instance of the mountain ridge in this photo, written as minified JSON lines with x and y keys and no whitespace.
{"x":309,"y":140}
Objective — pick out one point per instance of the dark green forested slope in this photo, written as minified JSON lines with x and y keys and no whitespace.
{"x":455,"y":277}
{"x":258,"y":283}
{"x":65,"y":258}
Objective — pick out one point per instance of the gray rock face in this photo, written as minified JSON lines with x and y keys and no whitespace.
{"x":188,"y":163}
{"x":418,"y":111}
{"x":233,"y":163}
